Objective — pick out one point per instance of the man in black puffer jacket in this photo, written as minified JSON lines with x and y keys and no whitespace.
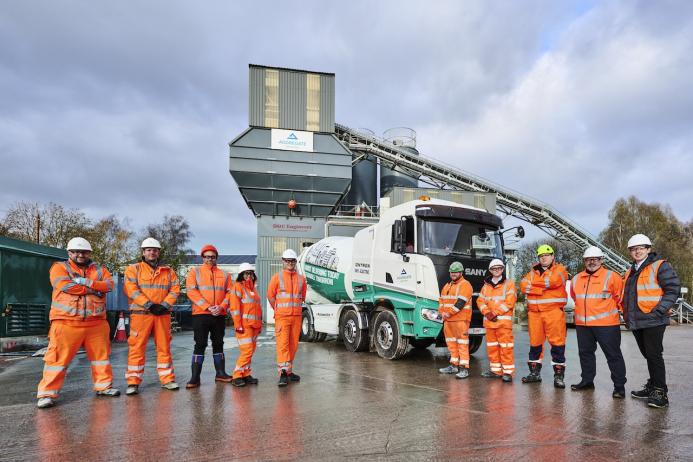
{"x":650,"y":291}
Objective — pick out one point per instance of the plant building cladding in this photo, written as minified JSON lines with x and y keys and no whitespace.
{"x":291,"y":99}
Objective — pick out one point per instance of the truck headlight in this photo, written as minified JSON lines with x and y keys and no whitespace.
{"x":431,"y":315}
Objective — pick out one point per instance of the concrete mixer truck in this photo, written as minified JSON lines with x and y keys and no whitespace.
{"x":379,"y":290}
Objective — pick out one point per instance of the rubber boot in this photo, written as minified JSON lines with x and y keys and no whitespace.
{"x":558,"y":374}
{"x":220,"y":366}
{"x":534,"y":373}
{"x":196,"y":368}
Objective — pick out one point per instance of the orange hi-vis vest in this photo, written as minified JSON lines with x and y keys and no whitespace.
{"x":499,"y":300}
{"x":207,"y":286}
{"x":649,"y":291}
{"x":460,"y":290}
{"x":545,"y":291}
{"x":145,"y":285}
{"x":246,"y":309}
{"x":597,"y":298}
{"x":76,"y":301}
{"x":286,"y":292}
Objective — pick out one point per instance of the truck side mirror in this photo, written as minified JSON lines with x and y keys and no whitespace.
{"x":399,"y":238}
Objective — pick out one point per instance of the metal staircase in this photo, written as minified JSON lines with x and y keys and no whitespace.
{"x":512,"y":203}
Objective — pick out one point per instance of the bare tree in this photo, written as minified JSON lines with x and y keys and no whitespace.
{"x":174,"y":234}
{"x":113,"y":242}
{"x":50,"y":224}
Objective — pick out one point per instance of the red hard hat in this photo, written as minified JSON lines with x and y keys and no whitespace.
{"x":207,"y":248}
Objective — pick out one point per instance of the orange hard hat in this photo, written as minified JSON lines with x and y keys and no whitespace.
{"x":207,"y":248}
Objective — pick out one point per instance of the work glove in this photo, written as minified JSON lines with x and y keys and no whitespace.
{"x":95,"y":292}
{"x":240,"y":329}
{"x":157,"y":309}
{"x":82,"y":281}
{"x":491,"y":316}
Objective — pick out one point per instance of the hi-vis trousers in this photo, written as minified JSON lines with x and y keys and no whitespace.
{"x":457,"y":338}
{"x":287,"y":330}
{"x":65,"y":339}
{"x":141,"y":327}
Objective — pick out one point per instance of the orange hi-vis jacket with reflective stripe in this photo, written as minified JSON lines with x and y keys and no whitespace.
{"x":76,"y":301}
{"x":499,"y":300}
{"x":597,"y":298}
{"x":246,"y":309}
{"x":649,"y":290}
{"x":145,"y":285}
{"x":545,"y":291}
{"x":207,"y":286}
{"x":286,"y":292}
{"x":451,"y":293}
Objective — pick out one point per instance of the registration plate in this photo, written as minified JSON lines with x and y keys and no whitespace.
{"x":477,"y":331}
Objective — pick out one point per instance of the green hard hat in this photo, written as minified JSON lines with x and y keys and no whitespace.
{"x":544,"y":249}
{"x":456,"y":267}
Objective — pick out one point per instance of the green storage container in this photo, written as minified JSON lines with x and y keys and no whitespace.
{"x":25,"y":289}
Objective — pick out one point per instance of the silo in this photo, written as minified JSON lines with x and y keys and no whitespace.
{"x":404,"y":138}
{"x":364,"y":180}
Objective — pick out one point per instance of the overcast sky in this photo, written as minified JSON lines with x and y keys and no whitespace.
{"x":128,"y":107}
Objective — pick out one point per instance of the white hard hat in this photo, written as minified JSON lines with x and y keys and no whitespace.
{"x":150,"y":243}
{"x":496,"y":262}
{"x":593,"y":252}
{"x":245,"y":267}
{"x":289,"y":254}
{"x":78,"y":243}
{"x":639,"y":239}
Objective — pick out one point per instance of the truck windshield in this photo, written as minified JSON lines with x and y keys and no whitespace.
{"x":440,"y":237}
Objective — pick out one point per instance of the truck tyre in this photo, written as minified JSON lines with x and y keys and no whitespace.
{"x":421,"y":342}
{"x":354,"y":338}
{"x":307,"y":330}
{"x":388,"y":342}
{"x":475,"y":342}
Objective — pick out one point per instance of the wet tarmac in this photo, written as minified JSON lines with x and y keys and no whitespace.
{"x":352,"y":406}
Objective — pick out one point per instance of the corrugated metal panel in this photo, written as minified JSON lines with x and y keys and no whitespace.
{"x":25,"y":289}
{"x":292,"y":100}
{"x":256,"y":104}
{"x":327,"y":106}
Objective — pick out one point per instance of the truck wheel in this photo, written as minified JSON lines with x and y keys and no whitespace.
{"x":307,"y":330}
{"x":388,"y":342}
{"x":475,"y":342}
{"x":354,"y":338}
{"x":421,"y":342}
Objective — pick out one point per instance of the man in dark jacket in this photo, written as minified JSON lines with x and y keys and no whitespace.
{"x":650,"y":292}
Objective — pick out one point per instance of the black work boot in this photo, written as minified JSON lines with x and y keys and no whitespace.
{"x":220,"y":366}
{"x":582,"y":386}
{"x":283,"y":379}
{"x":534,"y":373}
{"x":619,"y":392}
{"x":658,"y":398}
{"x":196,"y":368}
{"x":645,"y":392}
{"x":294,"y":377}
{"x":558,"y":375}
{"x":250,"y":380}
{"x":238,"y":382}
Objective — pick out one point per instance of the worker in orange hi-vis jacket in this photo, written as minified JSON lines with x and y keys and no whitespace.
{"x":207,"y":287}
{"x":152,"y":289}
{"x":246,"y":311}
{"x":78,"y":318}
{"x":455,"y":307}
{"x":286,"y":293}
{"x":544,"y":287}
{"x":496,"y":302}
